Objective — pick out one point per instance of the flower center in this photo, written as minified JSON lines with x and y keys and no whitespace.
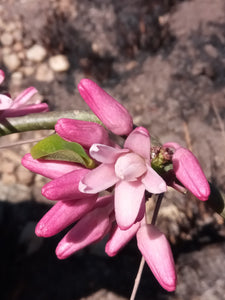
{"x":130,"y":166}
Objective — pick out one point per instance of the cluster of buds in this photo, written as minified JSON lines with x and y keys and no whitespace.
{"x":107,"y":197}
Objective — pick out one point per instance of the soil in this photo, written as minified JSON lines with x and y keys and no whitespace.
{"x":163,"y":60}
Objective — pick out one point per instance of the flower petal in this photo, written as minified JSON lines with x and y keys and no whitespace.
{"x":128,"y":200}
{"x":30,"y":109}
{"x":105,"y":154}
{"x":157,"y":252}
{"x":65,"y":187}
{"x":153,"y":182}
{"x":98,"y":179}
{"x":138,"y":141}
{"x":91,"y":228}
{"x":49,"y":168}
{"x":63,"y":214}
{"x":113,"y":115}
{"x":82,"y":132}
{"x":5,"y":102}
{"x":24,"y":97}
{"x":119,"y":238}
{"x":130,"y":166}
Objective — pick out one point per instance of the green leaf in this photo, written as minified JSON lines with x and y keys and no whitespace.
{"x":216,"y":200}
{"x":55,"y":148}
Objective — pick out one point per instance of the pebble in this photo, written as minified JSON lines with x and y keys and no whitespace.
{"x":44,"y":73}
{"x":36,"y":53}
{"x":11,"y":61}
{"x":24,"y":176}
{"x":6,"y":39}
{"x":211,"y":51}
{"x":59,"y":63}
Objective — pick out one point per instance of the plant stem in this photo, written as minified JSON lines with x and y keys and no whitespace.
{"x":42,"y":120}
{"x":142,"y":263}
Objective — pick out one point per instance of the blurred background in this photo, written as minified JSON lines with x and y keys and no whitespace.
{"x":165,"y":62}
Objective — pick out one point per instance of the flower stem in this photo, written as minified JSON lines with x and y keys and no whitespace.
{"x":142,"y":263}
{"x":42,"y":120}
{"x":137,"y":279}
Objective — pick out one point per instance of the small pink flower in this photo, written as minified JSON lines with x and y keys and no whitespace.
{"x":113,"y":115}
{"x":189,"y":172}
{"x":129,"y":169}
{"x":18,"y":106}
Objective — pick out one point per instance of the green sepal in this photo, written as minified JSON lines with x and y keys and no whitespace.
{"x":54,"y":147}
{"x":216,"y":200}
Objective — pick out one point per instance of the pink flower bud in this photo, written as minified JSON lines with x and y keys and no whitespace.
{"x":113,"y":115}
{"x":188,"y":171}
{"x":157,"y":252}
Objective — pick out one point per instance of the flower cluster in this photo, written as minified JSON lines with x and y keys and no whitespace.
{"x":18,"y":106}
{"x":110,"y":199}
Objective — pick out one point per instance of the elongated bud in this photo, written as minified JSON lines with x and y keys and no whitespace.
{"x":113,"y":115}
{"x":2,"y":76}
{"x":82,"y":132}
{"x":189,"y":172}
{"x":157,"y":252}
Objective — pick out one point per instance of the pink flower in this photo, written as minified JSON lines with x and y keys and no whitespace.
{"x":113,"y":115}
{"x":129,"y":169}
{"x":18,"y":106}
{"x":189,"y":172}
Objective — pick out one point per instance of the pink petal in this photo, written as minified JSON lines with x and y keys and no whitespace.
{"x":128,"y":200}
{"x":158,"y":255}
{"x":130,"y":166}
{"x":30,"y":109}
{"x":119,"y":238}
{"x":188,"y":171}
{"x":91,"y":228}
{"x":63,"y":214}
{"x":24,"y":97}
{"x":49,"y":168}
{"x":113,"y":115}
{"x":5,"y":102}
{"x":98,"y":179}
{"x":105,"y":154}
{"x":138,"y":141}
{"x":65,"y":187}
{"x":82,"y":132}
{"x":2,"y":76}
{"x":153,"y":182}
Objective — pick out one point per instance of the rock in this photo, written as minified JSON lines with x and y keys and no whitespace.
{"x":8,"y":179}
{"x":24,"y":176}
{"x":36,"y":53}
{"x":6,"y":39}
{"x":15,"y":193}
{"x":44,"y":73}
{"x":59,"y":63}
{"x":11,"y":61}
{"x":211,"y":51}
{"x":17,"y":77}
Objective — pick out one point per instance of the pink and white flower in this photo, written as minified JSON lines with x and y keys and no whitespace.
{"x":129,"y":169}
